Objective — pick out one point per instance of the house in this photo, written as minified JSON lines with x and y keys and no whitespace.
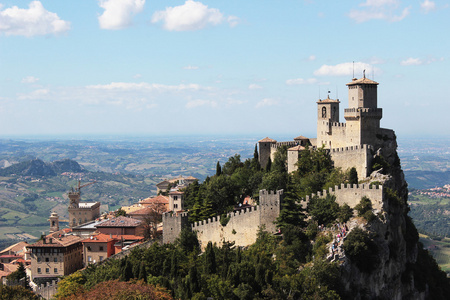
{"x":122,"y":226}
{"x":98,"y":247}
{"x":57,"y":254}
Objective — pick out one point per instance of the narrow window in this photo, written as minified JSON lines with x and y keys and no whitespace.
{"x":324,"y":112}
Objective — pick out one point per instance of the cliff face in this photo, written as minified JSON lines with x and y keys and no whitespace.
{"x":398,"y":269}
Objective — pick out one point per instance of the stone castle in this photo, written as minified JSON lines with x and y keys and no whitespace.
{"x":351,"y":144}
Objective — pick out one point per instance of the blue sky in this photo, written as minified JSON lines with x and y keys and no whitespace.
{"x":217,"y":67}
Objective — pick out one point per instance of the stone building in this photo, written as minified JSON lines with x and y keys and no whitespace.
{"x":81,"y":212}
{"x":98,"y":247}
{"x":352,"y":143}
{"x":57,"y":254}
{"x":122,"y":226}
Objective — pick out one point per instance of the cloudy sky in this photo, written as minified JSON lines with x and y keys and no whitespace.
{"x":217,"y":67}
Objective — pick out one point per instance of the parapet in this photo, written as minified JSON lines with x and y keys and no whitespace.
{"x":352,"y":148}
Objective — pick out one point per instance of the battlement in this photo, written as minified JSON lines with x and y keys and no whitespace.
{"x":171,"y":215}
{"x":288,"y":143}
{"x":337,"y":124}
{"x":351,"y":148}
{"x":234,"y":214}
{"x":363,"y":112}
{"x":352,"y":194}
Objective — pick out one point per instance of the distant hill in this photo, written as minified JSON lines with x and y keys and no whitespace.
{"x":427,"y":179}
{"x":37,"y":167}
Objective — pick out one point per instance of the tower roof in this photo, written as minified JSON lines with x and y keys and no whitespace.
{"x":363,"y":80}
{"x":328,"y":100}
{"x":267,"y":140}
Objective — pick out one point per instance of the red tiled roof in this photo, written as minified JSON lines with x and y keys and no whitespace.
{"x":267,"y":140}
{"x":120,"y":222}
{"x":55,"y":241}
{"x":176,"y":193}
{"x":363,"y":80}
{"x":157,"y":200}
{"x":296,"y":148}
{"x":301,"y":137}
{"x":99,"y":238}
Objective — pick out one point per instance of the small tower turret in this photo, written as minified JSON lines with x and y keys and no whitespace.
{"x":54,"y":222}
{"x":265,"y":146}
{"x":327,"y":114}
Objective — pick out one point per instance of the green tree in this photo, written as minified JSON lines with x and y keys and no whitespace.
{"x":353,"y":176}
{"x":210,"y":259}
{"x":323,"y":210}
{"x":120,"y":212}
{"x":218,"y":169}
{"x":360,"y":248}
{"x":70,"y":285}
{"x":345,"y":213}
{"x":363,"y":206}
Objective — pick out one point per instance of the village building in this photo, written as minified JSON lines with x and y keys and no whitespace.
{"x":122,"y":226}
{"x":57,"y":254}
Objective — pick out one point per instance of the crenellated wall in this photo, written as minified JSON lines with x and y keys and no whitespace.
{"x":359,"y":156}
{"x":352,"y":194}
{"x":242,"y":227}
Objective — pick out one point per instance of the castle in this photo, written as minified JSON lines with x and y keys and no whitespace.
{"x":350,"y":144}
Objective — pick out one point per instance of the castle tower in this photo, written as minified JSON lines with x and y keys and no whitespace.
{"x":264,"y":150}
{"x":363,"y":115}
{"x":327,"y":114}
{"x":54,"y":222}
{"x":74,"y":198}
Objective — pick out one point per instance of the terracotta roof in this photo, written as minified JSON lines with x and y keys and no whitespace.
{"x":99,"y":238}
{"x":120,"y":222}
{"x":51,"y":241}
{"x":142,"y":211}
{"x":156,"y":200}
{"x":301,"y":137}
{"x":18,"y":247}
{"x":191,"y":178}
{"x":267,"y":140}
{"x":4,"y":273}
{"x":328,"y":100}
{"x":363,"y":80}
{"x":296,"y":148}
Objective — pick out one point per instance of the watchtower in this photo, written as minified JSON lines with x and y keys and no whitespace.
{"x":265,"y":146}
{"x":363,"y":115}
{"x":327,"y":114}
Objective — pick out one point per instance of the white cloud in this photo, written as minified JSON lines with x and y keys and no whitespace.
{"x":266,"y":102}
{"x":137,"y":76}
{"x":233,"y":21}
{"x":299,"y":81}
{"x":346,"y":69}
{"x":427,"y":6}
{"x":196,"y":103}
{"x":34,"y":95}
{"x":30,"y":79}
{"x":190,"y":67}
{"x":388,"y":10}
{"x":32,"y":21}
{"x":191,"y":15}
{"x":254,"y":87}
{"x":411,"y":62}
{"x":119,"y":14}
{"x":312,"y":58}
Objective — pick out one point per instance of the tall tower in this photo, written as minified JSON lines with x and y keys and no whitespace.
{"x":265,"y":146}
{"x":363,"y":115}
{"x":327,"y":114}
{"x":54,"y":222}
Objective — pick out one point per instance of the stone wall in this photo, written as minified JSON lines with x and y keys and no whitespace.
{"x":352,"y":194}
{"x":359,"y":157}
{"x":241,"y":228}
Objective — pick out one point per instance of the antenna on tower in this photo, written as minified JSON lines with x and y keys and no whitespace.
{"x":373,"y":73}
{"x":337,"y":95}
{"x":319,"y":92}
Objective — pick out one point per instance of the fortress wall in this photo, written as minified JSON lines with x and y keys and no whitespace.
{"x":352,"y":194}
{"x":242,"y":228}
{"x":359,"y":156}
{"x":338,"y":135}
{"x":292,"y":159}
{"x":173,"y":223}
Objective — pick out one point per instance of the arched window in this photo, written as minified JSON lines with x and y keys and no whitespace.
{"x":324,"y":112}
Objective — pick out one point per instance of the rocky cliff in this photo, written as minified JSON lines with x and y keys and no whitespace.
{"x":396,"y":266}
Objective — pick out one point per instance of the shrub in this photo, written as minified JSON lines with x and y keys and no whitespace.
{"x":224,"y":219}
{"x":323,"y":210}
{"x":361,"y":250}
{"x":363,"y":206}
{"x":345,"y":213}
